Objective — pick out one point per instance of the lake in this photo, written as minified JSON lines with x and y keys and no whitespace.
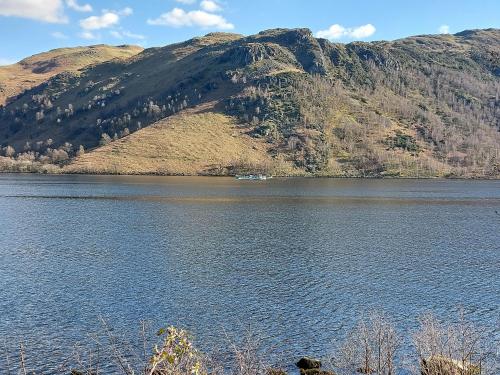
{"x":295,"y":260}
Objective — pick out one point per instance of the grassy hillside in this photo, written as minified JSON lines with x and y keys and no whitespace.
{"x":34,"y":70}
{"x":197,"y":141}
{"x":420,"y":106}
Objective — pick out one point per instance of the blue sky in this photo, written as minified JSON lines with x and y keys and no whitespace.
{"x":31,"y":26}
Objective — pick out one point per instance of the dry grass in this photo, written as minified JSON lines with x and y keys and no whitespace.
{"x":197,"y":141}
{"x":37,"y":69}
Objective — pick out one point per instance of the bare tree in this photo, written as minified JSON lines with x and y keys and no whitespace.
{"x":370,"y":348}
{"x":9,"y":151}
{"x":247,"y":357}
{"x":105,"y":139}
{"x":451,"y":349}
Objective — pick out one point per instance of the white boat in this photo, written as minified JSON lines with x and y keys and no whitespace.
{"x":259,"y":177}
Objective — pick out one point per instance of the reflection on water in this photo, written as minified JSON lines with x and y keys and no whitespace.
{"x":295,"y":259}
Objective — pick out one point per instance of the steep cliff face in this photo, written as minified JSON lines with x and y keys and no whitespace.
{"x":301,"y":43}
{"x":424,"y":105}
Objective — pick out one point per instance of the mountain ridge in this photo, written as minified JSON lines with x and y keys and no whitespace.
{"x":34,"y":70}
{"x":425,"y":105}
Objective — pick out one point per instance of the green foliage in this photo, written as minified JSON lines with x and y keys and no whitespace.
{"x":405,"y":142}
{"x":175,"y":355}
{"x":267,"y":129}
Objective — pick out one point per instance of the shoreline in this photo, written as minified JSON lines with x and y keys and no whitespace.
{"x":370,"y":345}
{"x":339,"y":177}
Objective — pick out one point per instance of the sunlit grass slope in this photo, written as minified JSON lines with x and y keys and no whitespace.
{"x":197,"y":141}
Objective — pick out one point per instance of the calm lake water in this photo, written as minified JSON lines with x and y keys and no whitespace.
{"x":296,"y":260}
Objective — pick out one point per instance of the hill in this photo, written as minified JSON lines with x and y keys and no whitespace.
{"x":173,"y":146}
{"x":34,"y":70}
{"x":281,"y":101}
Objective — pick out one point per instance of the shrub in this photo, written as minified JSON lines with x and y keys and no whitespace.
{"x":175,"y":355}
{"x":405,"y":142}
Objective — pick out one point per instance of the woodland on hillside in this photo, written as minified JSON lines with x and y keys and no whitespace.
{"x":417,"y":107}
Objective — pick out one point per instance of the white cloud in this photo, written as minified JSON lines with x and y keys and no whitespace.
{"x":210,"y":6}
{"x":338,"y":31}
{"x":58,"y":35}
{"x":100,"y":22}
{"x":122,"y":34}
{"x":51,"y":11}
{"x":186,"y":2}
{"x":79,"y":8}
{"x":333,"y":32}
{"x":89,"y":35}
{"x":109,"y":18}
{"x":362,"y":31}
{"x":126,"y":12}
{"x":122,"y":12}
{"x":444,"y":29}
{"x":178,"y":17}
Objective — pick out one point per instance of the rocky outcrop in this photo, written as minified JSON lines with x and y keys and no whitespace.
{"x":440,"y":365}
{"x":302,"y":43}
{"x":250,"y":53}
{"x":307,"y":363}
{"x":311,"y":366}
{"x":276,"y":371}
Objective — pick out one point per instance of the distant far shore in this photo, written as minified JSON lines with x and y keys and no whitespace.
{"x":308,"y":176}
